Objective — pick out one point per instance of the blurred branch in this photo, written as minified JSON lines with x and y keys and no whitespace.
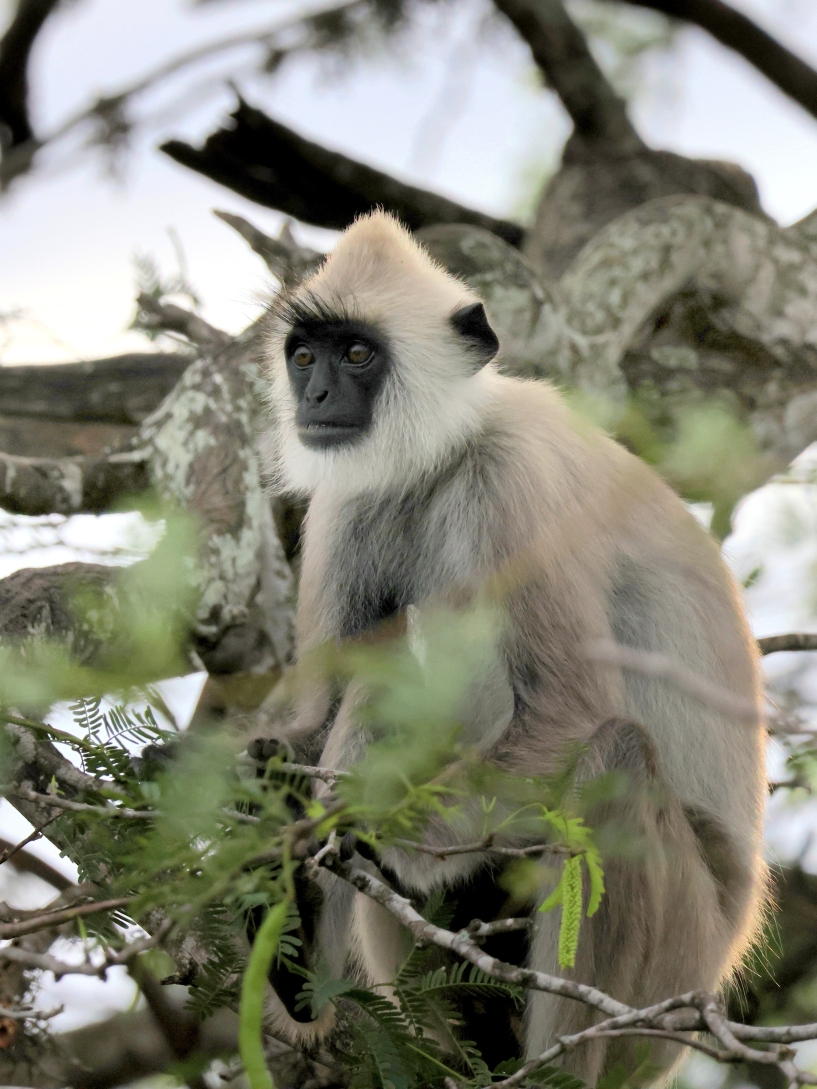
{"x":26,"y":862}
{"x":121,"y":390}
{"x":47,"y":963}
{"x":157,"y":316}
{"x":263,"y":160}
{"x":654,"y":664}
{"x":561,"y":51}
{"x":284,"y":257}
{"x":110,"y":107}
{"x":738,"y":32}
{"x":69,"y":485}
{"x":15,"y":49}
{"x":37,"y":920}
{"x":770,"y":644}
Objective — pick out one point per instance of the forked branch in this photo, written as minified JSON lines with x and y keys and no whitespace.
{"x":678,"y":1018}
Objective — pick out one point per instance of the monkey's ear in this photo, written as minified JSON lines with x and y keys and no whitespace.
{"x":471,"y":322}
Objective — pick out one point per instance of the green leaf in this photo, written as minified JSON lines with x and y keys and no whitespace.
{"x":253,"y":990}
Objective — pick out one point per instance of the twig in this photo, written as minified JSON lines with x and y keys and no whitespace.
{"x":48,"y":963}
{"x":57,"y":918}
{"x":157,"y":315}
{"x":770,"y":644}
{"x":108,"y":810}
{"x":673,"y":1019}
{"x":11,"y":850}
{"x":326,"y":775}
{"x":477,"y":929}
{"x":284,"y":257}
{"x":485,"y":844}
{"x":654,"y":664}
{"x":426,"y":933}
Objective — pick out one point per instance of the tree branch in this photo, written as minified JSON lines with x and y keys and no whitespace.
{"x":675,"y":1018}
{"x":156,"y":315}
{"x":771,"y":644}
{"x":285,"y":259}
{"x":561,"y":51}
{"x":739,"y":33}
{"x":15,"y":49}
{"x":26,"y":862}
{"x":35,"y":921}
{"x":124,"y":389}
{"x":274,"y":166}
{"x":70,"y":485}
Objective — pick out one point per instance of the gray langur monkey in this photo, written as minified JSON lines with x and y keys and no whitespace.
{"x":428,"y":473}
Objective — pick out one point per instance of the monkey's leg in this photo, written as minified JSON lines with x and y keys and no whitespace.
{"x":671,"y":919}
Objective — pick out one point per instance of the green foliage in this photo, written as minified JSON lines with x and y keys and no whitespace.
{"x":253,"y":992}
{"x":207,"y":838}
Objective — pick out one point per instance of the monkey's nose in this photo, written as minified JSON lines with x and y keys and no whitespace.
{"x":317,"y":398}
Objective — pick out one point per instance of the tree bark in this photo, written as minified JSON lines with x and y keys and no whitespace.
{"x":15,"y":48}
{"x":122,"y":390}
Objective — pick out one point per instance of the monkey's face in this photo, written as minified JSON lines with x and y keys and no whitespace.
{"x":336,"y":370}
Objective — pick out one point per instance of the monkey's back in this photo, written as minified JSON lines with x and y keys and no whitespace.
{"x":592,"y":545}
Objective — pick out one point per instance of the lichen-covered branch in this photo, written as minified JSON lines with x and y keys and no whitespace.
{"x":69,"y":485}
{"x":687,"y":297}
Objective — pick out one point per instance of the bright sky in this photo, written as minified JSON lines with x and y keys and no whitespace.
{"x":454,"y":112}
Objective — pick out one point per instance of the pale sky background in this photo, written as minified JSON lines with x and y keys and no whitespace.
{"x":452,"y":111}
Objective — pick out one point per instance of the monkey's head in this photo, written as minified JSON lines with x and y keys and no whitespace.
{"x":378,"y":365}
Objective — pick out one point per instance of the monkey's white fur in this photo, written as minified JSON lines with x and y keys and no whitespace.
{"x":466,"y":476}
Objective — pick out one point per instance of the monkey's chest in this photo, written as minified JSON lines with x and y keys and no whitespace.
{"x":386,"y":568}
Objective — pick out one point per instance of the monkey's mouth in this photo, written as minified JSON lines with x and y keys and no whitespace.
{"x":320,"y":435}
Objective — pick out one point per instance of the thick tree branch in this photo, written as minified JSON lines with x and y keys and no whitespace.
{"x":561,"y":51}
{"x":39,"y":601}
{"x":70,"y":485}
{"x":15,"y":49}
{"x":738,"y":32}
{"x":124,"y":389}
{"x":274,"y":166}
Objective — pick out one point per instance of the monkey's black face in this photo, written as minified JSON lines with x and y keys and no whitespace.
{"x":336,"y":370}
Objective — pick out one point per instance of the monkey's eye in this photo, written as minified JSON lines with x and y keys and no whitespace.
{"x":302,"y":356}
{"x":359,"y":353}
